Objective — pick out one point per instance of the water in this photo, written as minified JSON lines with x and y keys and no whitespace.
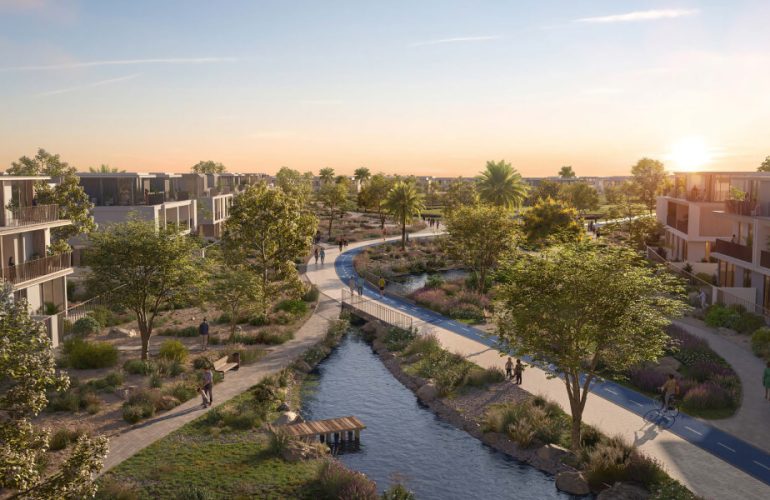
{"x":413,"y":282}
{"x":405,"y":442}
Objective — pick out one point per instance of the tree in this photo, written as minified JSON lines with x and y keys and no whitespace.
{"x":295,"y":184}
{"x":373,"y":195}
{"x":581,"y":196}
{"x":501,"y":185}
{"x":28,"y":371}
{"x":623,"y":199}
{"x":153,"y":267}
{"x":268,"y":231}
{"x":333,"y":196}
{"x":544,"y":189}
{"x":459,"y":194}
{"x":566,"y":172}
{"x":649,"y":176}
{"x":551,"y":221}
{"x":234,"y":288}
{"x":584,"y":306}
{"x":361,"y":175}
{"x":404,"y":202}
{"x":478,"y":236}
{"x":105,"y":169}
{"x":208,"y":167}
{"x":66,"y":192}
{"x":765,"y":166}
{"x":326,"y":174}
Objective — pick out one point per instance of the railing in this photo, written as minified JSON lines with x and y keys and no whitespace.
{"x":738,"y":207}
{"x":36,"y":268}
{"x":24,"y":216}
{"x":679,"y":225}
{"x":764,"y":259}
{"x":375,"y":310}
{"x":734,"y":250}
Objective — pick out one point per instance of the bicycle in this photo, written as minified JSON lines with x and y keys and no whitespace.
{"x":664,"y":415}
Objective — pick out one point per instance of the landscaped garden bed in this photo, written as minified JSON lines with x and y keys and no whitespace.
{"x":359,"y":227}
{"x":390,"y":261}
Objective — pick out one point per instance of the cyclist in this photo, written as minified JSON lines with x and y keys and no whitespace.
{"x":669,"y":389}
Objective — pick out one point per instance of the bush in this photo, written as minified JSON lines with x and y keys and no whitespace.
{"x":718,"y":315}
{"x":193,"y":492}
{"x":112,"y":489}
{"x":647,"y":379}
{"x":67,"y":401}
{"x":279,"y":440}
{"x":398,"y":492}
{"x":202,"y":362}
{"x":155,"y":381}
{"x":84,"y":355}
{"x":139,"y":367}
{"x":337,"y":482}
{"x":182,"y":392}
{"x":397,"y":339}
{"x":424,"y":345}
{"x":189,"y":331}
{"x":311,"y":295}
{"x":109,"y":383}
{"x":434,"y":281}
{"x":134,"y":413}
{"x":760,"y":342}
{"x":173,"y":350}
{"x":292,"y":306}
{"x":481,"y":378}
{"x":270,"y":337}
{"x":63,"y":438}
{"x":707,"y":396}
{"x":749,"y":322}
{"x":251,"y":356}
{"x":87,"y":325}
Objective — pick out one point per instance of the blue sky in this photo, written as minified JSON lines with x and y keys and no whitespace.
{"x":421,"y":87}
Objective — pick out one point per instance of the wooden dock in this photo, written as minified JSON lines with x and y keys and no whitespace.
{"x":333,"y":430}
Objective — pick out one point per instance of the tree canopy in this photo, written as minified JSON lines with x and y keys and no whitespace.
{"x":544,"y":189}
{"x":581,"y":196}
{"x":460,"y":194}
{"x":234,"y":288}
{"x":649,"y":177}
{"x":208,"y":167}
{"x":584,"y":306}
{"x":152,"y":267}
{"x":104,"y":169}
{"x":362,"y":174}
{"x":333,"y":196}
{"x":501,"y":185}
{"x":404,"y":202}
{"x":765,"y":166}
{"x":373,"y":194}
{"x":295,"y":184}
{"x":551,"y":221}
{"x":566,"y":172}
{"x":27,"y":373}
{"x":326,"y":174}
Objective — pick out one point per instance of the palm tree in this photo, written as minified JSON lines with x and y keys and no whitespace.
{"x":501,"y":185}
{"x":403,"y":202}
{"x":361,"y":175}
{"x":104,"y":169}
{"x":326,"y":174}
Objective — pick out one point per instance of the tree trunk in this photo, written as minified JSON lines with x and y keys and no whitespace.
{"x":145,"y":344}
{"x":482,"y":280}
{"x":331,"y":220}
{"x":403,"y":233}
{"x":576,"y":421}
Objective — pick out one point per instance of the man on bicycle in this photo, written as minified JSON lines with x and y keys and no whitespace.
{"x":669,"y":389}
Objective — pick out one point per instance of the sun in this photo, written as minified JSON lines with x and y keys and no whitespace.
{"x":689,"y":153}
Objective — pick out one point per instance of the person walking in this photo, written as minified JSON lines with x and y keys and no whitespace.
{"x":509,"y":369}
{"x":360,"y":286}
{"x":381,"y":283}
{"x":341,"y":243}
{"x":322,"y":253}
{"x":384,"y":233}
{"x":670,"y":389}
{"x":702,"y":297}
{"x":766,"y":381}
{"x":315,"y":255}
{"x":203,"y":331}
{"x":352,"y":285}
{"x":517,"y":371}
{"x":208,"y":385}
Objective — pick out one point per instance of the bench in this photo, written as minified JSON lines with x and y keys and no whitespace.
{"x":227,"y":363}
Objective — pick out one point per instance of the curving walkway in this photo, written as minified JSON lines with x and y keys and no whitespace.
{"x":710,"y":462}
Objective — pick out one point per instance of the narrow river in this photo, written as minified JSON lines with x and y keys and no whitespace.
{"x":405,"y":442}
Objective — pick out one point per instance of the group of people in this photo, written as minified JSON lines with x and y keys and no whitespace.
{"x":356,"y":285}
{"x":514,"y":371}
{"x":319,"y":252}
{"x":594,"y":228}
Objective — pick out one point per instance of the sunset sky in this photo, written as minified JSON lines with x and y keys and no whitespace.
{"x":422,"y":87}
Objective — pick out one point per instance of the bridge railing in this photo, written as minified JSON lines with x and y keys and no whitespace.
{"x":375,"y":310}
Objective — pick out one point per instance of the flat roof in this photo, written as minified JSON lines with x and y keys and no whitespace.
{"x":731,"y":174}
{"x":6,"y":177}
{"x":115,"y":174}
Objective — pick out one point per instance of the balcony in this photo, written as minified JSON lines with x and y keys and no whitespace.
{"x":679,"y":225}
{"x":764,"y":259}
{"x":741,"y":207}
{"x":25,"y":216}
{"x":734,"y":250}
{"x":36,"y":268}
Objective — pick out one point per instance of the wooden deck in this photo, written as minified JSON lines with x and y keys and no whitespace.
{"x":324,"y":427}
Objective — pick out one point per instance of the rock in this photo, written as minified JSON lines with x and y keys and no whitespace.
{"x":427,"y":393}
{"x":122,"y":332}
{"x":296,"y":451}
{"x":549,"y":457}
{"x":379,"y":346}
{"x":284,"y":407}
{"x":624,"y":491}
{"x":301,"y":366}
{"x":573,"y":483}
{"x":287,"y":417}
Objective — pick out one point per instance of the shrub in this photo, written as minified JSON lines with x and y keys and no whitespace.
{"x":182,"y":391}
{"x":67,"y":401}
{"x":466,"y":311}
{"x":647,"y":379}
{"x":398,"y":492}
{"x":63,"y":438}
{"x":397,"y":339}
{"x":112,"y":489}
{"x":424,"y":345}
{"x":270,"y":337}
{"x":707,"y":396}
{"x":335,"y":481}
{"x":292,"y":306}
{"x":607,"y":463}
{"x":251,"y":356}
{"x":749,"y":322}
{"x":434,"y":281}
{"x":109,"y":383}
{"x":155,"y":381}
{"x":202,"y":362}
{"x":482,"y":378}
{"x":279,"y":440}
{"x":720,"y":316}
{"x":87,"y":325}
{"x":706,"y":369}
{"x":193,"y":492}
{"x":173,"y":350}
{"x":760,"y":342}
{"x":189,"y":331}
{"x":83,"y":355}
{"x":139,"y":367}
{"x":259,"y":320}
{"x":311,"y":295}
{"x":133,"y":413}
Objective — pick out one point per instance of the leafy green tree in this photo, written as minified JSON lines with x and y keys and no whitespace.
{"x":268,"y":230}
{"x":582,"y":307}
{"x":66,"y":192}
{"x":581,"y":196}
{"x":105,"y":169}
{"x":333,"y":196}
{"x":544,"y":189}
{"x":153,"y":267}
{"x":501,"y":185}
{"x":27,"y":372}
{"x":460,"y":194}
{"x":362,"y":174}
{"x":566,"y":172}
{"x":235,"y":288}
{"x":649,"y":177}
{"x":479,"y":235}
{"x":404,"y":202}
{"x":551,"y":221}
{"x":623,"y":200}
{"x":208,"y":167}
{"x":327,"y":175}
{"x":372,"y":196}
{"x":765,"y":166}
{"x":295,"y":184}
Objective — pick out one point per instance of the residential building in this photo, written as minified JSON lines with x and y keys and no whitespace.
{"x":25,"y":235}
{"x":214,"y":194}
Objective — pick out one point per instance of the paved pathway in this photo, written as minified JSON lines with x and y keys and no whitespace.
{"x":138,"y":437}
{"x":752,"y":421}
{"x":702,"y":471}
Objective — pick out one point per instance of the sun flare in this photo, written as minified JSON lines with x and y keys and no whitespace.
{"x":689,"y":154}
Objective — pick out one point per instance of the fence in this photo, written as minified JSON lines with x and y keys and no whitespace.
{"x":36,"y":268}
{"x":36,"y":214}
{"x":374,"y":310}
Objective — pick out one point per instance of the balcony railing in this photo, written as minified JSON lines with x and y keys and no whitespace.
{"x":24,"y":216}
{"x":734,"y":250}
{"x":764,"y":259}
{"x":679,"y":225}
{"x":745,"y":207}
{"x":36,"y":268}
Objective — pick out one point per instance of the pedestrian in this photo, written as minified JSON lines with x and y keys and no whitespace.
{"x":517,"y":371}
{"x":702,"y":297}
{"x":352,"y":284}
{"x":208,"y":385}
{"x":317,"y":237}
{"x":203,"y":331}
{"x":315,"y":254}
{"x":323,"y":255}
{"x":384,"y":233}
{"x":509,"y":369}
{"x":669,"y":389}
{"x":766,"y":381}
{"x":732,"y":240}
{"x":598,"y":233}
{"x":381,"y":283}
{"x":340,"y":243}
{"x":360,"y":286}
{"x":344,"y":242}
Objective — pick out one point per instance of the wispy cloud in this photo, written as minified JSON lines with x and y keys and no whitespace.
{"x":89,"y":85}
{"x":123,"y":62}
{"x":456,"y":40}
{"x":641,"y":15}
